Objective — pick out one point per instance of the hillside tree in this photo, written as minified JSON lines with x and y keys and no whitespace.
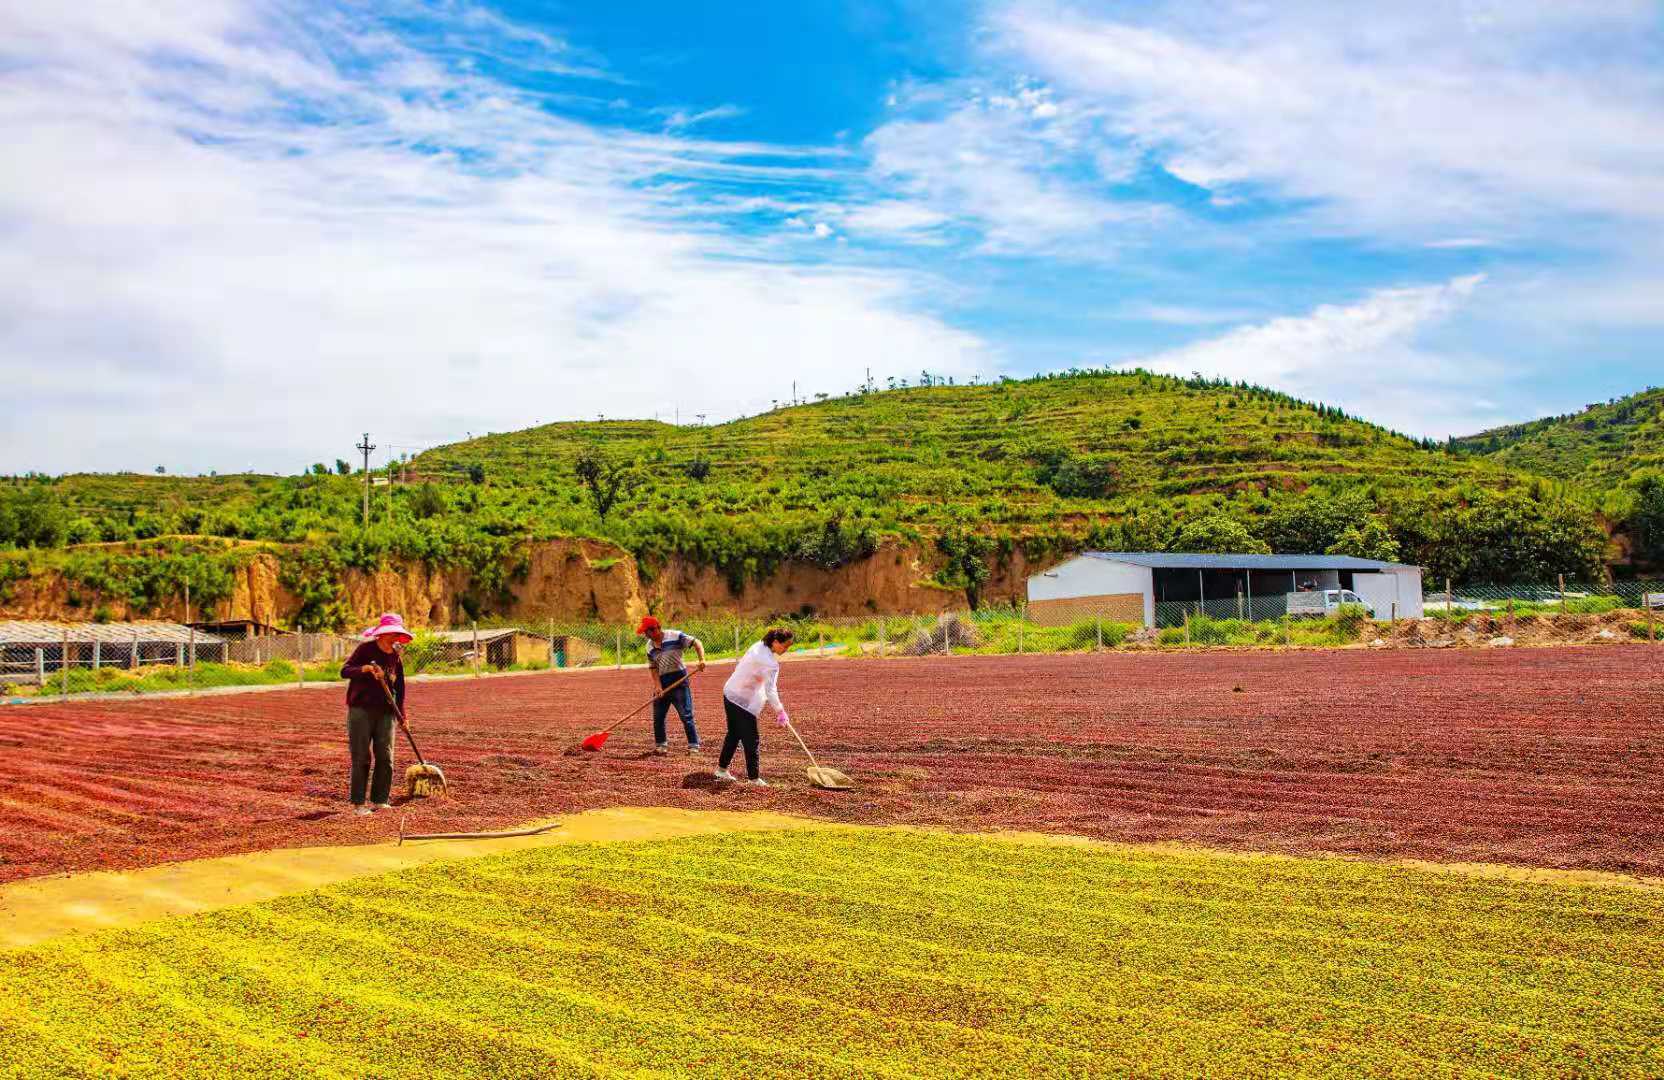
{"x":1216,"y":534}
{"x":1371,"y":540}
{"x":1646,"y":521}
{"x":605,"y":479}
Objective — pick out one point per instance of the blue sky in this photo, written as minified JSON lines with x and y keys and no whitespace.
{"x":240,"y":232}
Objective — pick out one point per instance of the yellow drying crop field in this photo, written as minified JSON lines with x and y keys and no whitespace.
{"x":869,"y":952}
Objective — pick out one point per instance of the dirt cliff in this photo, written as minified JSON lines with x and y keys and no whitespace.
{"x":564,"y":580}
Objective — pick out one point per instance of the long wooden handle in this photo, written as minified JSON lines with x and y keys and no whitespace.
{"x":803,"y":744}
{"x":650,"y":700}
{"x":404,"y":727}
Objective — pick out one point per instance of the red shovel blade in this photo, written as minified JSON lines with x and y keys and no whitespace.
{"x":596,"y":741}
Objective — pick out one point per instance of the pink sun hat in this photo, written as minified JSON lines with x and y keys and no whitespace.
{"x":389,"y":624}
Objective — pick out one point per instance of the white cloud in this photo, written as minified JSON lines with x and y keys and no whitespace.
{"x":1405,"y":119}
{"x":1365,"y":357}
{"x":894,"y":217}
{"x":678,"y":119}
{"x":1185,"y":314}
{"x":235,"y":238}
{"x":1013,"y":166}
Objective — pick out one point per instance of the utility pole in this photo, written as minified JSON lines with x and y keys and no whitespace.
{"x":366,"y":446}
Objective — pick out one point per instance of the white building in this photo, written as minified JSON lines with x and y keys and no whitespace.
{"x":1155,"y":588}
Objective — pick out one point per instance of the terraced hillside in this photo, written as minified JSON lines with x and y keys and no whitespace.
{"x":1021,"y":453}
{"x":964,"y":473}
{"x":1602,"y":446}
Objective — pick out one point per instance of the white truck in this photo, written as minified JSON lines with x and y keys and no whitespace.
{"x":1320,"y":602}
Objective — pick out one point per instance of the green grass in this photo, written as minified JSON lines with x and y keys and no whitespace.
{"x":864,"y":953}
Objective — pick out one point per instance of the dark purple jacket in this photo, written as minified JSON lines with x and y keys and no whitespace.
{"x":363,"y":692}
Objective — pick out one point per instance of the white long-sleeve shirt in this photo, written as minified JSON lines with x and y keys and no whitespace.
{"x":754,"y":682}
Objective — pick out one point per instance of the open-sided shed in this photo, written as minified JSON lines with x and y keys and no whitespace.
{"x":1152,"y":587}
{"x":28,"y":648}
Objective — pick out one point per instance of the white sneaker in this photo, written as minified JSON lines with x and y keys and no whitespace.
{"x":662,"y":748}
{"x":695,"y":750}
{"x":724,"y":776}
{"x":758,"y":782}
{"x":361,"y":810}
{"x":384,"y":806}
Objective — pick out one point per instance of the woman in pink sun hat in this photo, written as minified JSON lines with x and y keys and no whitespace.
{"x":373,"y":666}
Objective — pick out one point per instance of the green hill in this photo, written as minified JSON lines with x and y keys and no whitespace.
{"x":1604,"y":446}
{"x":1109,"y":460}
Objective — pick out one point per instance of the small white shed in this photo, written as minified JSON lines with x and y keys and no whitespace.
{"x":1157,"y":587}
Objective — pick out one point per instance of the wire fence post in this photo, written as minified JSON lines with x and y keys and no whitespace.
{"x":190,"y":660}
{"x":1562,"y":594}
{"x":476,"y":650}
{"x":1098,"y":626}
{"x":736,"y":642}
{"x":1239,"y":602}
{"x":618,"y":649}
{"x":1187,"y":626}
{"x":63,"y":660}
{"x":1646,"y":602}
{"x":40,"y":669}
{"x":300,"y":657}
{"x":551,"y":643}
{"x":883,"y":636}
{"x":820,"y":637}
{"x":1020,"y":621}
{"x":95,"y":652}
{"x":133,"y":657}
{"x":946,"y":650}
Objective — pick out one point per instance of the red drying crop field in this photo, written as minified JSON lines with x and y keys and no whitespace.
{"x":1551,"y":757}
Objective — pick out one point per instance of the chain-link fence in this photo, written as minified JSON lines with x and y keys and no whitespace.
{"x":62,"y":659}
{"x":1560,"y":597}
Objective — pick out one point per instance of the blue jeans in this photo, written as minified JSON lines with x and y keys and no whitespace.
{"x":682,"y":698}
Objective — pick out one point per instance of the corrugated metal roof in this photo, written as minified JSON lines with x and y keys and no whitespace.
{"x":467,"y":636}
{"x":1175,"y":560}
{"x":22,"y":632}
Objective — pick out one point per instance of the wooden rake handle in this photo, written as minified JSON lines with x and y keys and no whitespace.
{"x":812,"y":762}
{"x":649,"y":701}
{"x":404,"y":727}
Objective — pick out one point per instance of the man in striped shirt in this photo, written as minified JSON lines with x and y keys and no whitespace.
{"x":666,"y":667}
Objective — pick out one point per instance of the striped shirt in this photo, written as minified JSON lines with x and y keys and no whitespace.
{"x":666,"y":657}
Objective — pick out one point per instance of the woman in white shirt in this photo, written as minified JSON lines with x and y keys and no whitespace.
{"x":753,"y":684}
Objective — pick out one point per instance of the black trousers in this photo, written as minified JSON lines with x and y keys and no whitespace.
{"x":366,"y":732}
{"x":742,"y":731}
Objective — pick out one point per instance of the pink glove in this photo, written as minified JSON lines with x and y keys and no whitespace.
{"x":781,"y":718}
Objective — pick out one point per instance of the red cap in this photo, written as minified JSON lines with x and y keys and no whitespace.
{"x":647,"y":623}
